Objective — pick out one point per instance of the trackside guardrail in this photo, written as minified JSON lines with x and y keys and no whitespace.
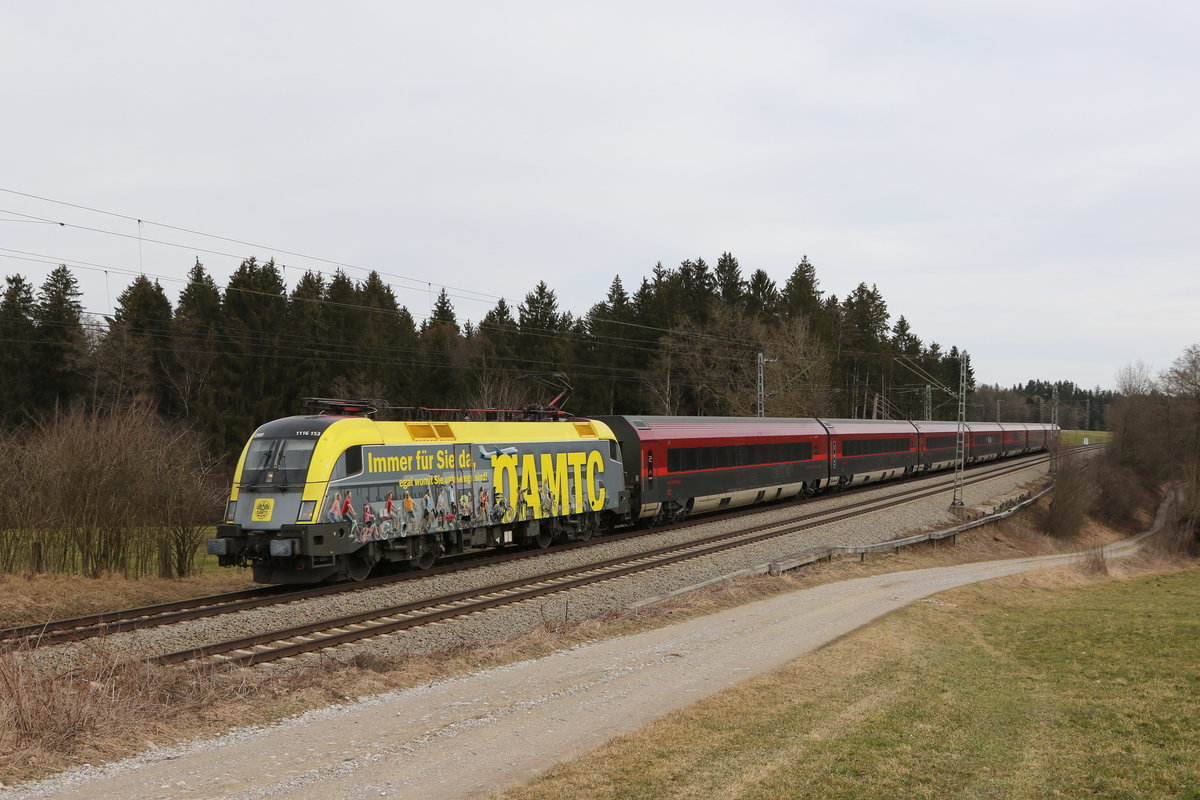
{"x":894,"y":545}
{"x":1003,"y":511}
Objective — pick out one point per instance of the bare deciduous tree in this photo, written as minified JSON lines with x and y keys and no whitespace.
{"x":1073,"y":495}
{"x":1181,"y":384}
{"x":102,"y":492}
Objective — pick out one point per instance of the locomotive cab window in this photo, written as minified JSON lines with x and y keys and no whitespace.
{"x":277,"y":461}
{"x":348,"y":463}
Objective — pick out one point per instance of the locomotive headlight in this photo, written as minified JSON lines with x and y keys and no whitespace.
{"x":308,"y":509}
{"x":230,"y":508}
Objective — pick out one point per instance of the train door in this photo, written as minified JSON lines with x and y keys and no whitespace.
{"x":466,"y":498}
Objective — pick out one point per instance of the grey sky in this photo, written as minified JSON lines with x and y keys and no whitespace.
{"x":1018,"y":178}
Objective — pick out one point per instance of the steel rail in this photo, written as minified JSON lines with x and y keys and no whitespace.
{"x":343,"y":630}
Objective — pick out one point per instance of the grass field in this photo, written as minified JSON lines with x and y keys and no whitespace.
{"x":1009,"y":689}
{"x":1077,"y":437}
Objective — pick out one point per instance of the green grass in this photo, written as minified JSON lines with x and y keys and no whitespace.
{"x":1077,"y":437}
{"x":1000,"y":690}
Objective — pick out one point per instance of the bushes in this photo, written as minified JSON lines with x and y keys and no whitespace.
{"x":97,"y":493}
{"x":1116,"y":488}
{"x":1072,"y":499}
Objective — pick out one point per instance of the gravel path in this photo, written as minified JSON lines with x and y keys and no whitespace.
{"x":473,"y":736}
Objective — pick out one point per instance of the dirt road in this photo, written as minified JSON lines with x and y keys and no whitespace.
{"x":473,"y":736}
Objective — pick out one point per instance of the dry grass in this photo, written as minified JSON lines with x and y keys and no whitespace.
{"x":100,"y":711}
{"x":40,"y":598}
{"x":1019,"y":687}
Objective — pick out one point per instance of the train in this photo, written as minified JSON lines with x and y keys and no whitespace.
{"x":331,"y":494}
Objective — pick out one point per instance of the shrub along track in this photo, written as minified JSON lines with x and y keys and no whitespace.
{"x":311,"y":637}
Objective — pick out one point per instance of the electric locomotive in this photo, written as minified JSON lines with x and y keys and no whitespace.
{"x":330,"y":495}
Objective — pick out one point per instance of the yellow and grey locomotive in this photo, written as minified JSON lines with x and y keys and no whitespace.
{"x":331,"y":495}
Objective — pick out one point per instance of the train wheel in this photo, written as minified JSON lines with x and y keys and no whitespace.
{"x":360,"y":563}
{"x":544,"y":539}
{"x":425,"y":560}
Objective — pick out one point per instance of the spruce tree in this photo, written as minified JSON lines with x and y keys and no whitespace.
{"x":61,"y":349}
{"x":762,"y":296}
{"x":143,"y":314}
{"x":308,"y":324}
{"x":498,"y":337}
{"x":617,"y":353}
{"x":200,"y":300}
{"x":697,"y":288}
{"x":18,"y":344}
{"x":343,"y":323}
{"x":801,"y":297}
{"x":387,"y":341}
{"x":443,"y":312}
{"x":729,"y":284}
{"x":904,"y":340}
{"x":541,"y":331}
{"x":197,"y":317}
{"x":249,"y":382}
{"x":438,"y":378}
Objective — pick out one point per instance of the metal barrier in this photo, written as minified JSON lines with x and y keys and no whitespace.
{"x":894,"y":545}
{"x":827,"y":553}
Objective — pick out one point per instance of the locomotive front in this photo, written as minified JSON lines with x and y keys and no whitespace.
{"x":277,"y":491}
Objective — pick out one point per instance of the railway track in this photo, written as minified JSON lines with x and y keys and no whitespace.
{"x":108,"y":623}
{"x":311,"y":637}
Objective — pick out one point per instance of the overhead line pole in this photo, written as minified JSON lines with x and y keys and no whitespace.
{"x":960,"y":440}
{"x":762,"y":389}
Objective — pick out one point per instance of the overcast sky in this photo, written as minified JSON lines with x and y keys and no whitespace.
{"x":1017,"y":178}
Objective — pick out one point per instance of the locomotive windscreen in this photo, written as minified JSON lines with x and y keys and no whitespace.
{"x":277,"y":462}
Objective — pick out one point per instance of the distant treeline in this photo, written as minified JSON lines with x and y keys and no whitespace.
{"x":687,"y":340}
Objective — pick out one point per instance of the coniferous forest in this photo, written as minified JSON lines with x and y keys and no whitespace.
{"x":687,"y":340}
{"x":120,"y":430}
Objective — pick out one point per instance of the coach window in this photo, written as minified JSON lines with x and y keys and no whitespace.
{"x":727,"y":457}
